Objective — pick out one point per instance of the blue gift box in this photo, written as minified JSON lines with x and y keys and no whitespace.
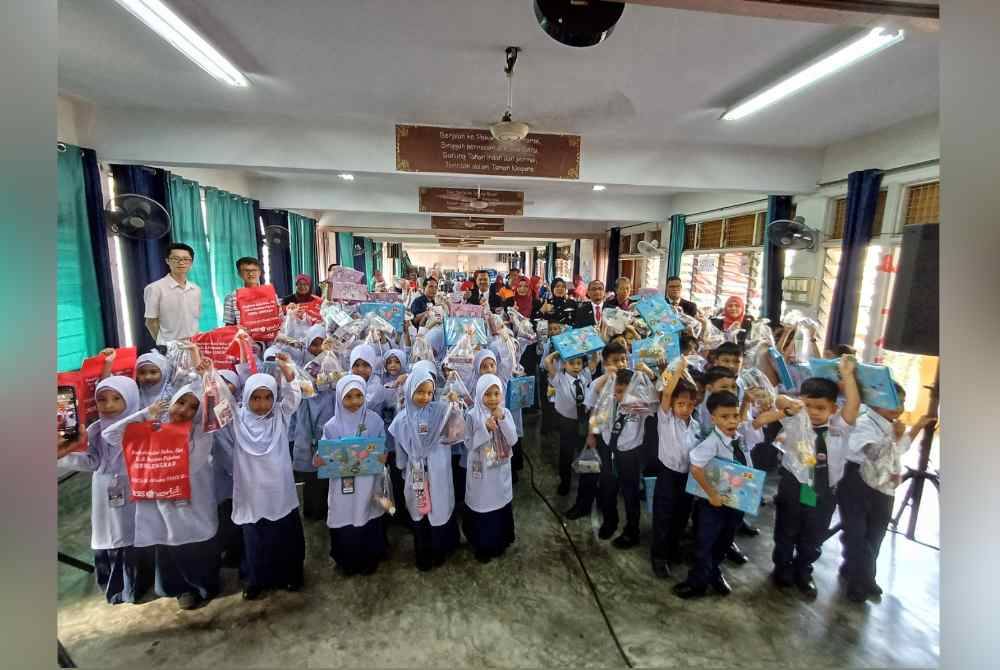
{"x":350,"y":457}
{"x":577,"y":342}
{"x":454,"y":328}
{"x":659,"y":315}
{"x":874,"y":381}
{"x":390,"y":311}
{"x":520,"y":392}
{"x":739,"y":486}
{"x":669,"y":342}
{"x":781,"y":367}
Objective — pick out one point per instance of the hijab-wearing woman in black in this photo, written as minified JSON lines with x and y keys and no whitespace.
{"x":560,"y":306}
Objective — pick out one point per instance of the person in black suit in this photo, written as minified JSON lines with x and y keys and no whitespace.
{"x":483,"y":289}
{"x":674,"y":288}
{"x":590,"y":312}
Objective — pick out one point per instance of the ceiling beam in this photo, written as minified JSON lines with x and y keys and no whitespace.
{"x":921,"y":17}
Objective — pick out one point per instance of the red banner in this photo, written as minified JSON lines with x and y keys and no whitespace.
{"x":157,"y":460}
{"x":260,"y":313}
{"x":90,"y":375}
{"x":220,"y":346}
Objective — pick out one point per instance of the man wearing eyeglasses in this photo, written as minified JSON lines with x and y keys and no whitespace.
{"x":173,"y":303}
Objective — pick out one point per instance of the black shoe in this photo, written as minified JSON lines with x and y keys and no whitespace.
{"x":875,"y":589}
{"x":807,"y":586}
{"x":625,"y":541}
{"x":574,"y":513}
{"x":661,"y":569}
{"x":687,"y":591}
{"x":748,"y":530}
{"x":563,"y":488}
{"x":252,"y":593}
{"x":605,"y":532}
{"x":190,"y":601}
{"x":781,"y":578}
{"x":721,"y":586}
{"x":856,"y":595}
{"x":735,"y":555}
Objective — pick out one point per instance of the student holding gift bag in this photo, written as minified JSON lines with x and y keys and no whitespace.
{"x":489,"y":517}
{"x":123,"y":571}
{"x":570,"y":384}
{"x":308,"y":422}
{"x":265,"y":503}
{"x":355,"y":520}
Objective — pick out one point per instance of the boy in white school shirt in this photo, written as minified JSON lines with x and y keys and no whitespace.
{"x":811,"y":468}
{"x":570,"y":385}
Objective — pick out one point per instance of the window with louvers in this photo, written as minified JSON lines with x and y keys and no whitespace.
{"x":840,"y":217}
{"x":923,"y":204}
{"x":740,"y":231}
{"x":690,"y":236}
{"x":710,"y":236}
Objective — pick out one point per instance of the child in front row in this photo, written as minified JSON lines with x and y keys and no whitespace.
{"x":811,"y":468}
{"x":489,"y":494}
{"x":677,"y":433}
{"x":570,"y":386}
{"x":357,"y":535}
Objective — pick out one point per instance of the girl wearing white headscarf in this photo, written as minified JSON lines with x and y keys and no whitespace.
{"x":182,"y":532}
{"x":357,"y":532}
{"x":123,"y":572}
{"x":149,"y":391}
{"x":229,"y":537}
{"x":393,"y":383}
{"x":265,"y":503}
{"x":307,"y":427}
{"x":489,"y":518}
{"x":505,"y":371}
{"x":375,"y":394}
{"x":426,"y":467}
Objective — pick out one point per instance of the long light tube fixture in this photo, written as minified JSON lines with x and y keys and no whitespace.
{"x":853,"y":52}
{"x":165,"y":23}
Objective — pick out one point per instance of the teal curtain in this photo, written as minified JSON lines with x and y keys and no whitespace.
{"x":187,"y":226}
{"x":369,"y":262}
{"x":378,"y":257}
{"x":79,"y":328}
{"x":345,"y":249}
{"x":232,"y":234}
{"x":302,"y":243}
{"x":676,"y":248}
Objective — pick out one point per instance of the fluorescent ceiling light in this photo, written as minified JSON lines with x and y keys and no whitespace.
{"x":871,"y":43}
{"x":599,"y":187}
{"x":346,"y":177}
{"x":164,"y":22}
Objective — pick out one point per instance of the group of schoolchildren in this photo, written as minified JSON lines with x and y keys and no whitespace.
{"x":243,"y":509}
{"x":707,"y":413}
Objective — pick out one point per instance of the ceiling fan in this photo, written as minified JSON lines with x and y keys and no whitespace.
{"x":618,"y":108}
{"x":478,"y":203}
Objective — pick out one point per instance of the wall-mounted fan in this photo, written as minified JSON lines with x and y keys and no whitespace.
{"x":650,"y":249}
{"x":792,"y":234}
{"x":137,"y":217}
{"x":276,"y":237}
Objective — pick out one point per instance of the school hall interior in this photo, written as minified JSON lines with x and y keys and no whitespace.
{"x":310,"y":134}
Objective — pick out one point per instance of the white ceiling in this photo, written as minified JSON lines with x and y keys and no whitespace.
{"x":368,"y":64}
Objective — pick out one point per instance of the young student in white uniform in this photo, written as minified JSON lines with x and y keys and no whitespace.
{"x":426,"y":464}
{"x":570,"y":384}
{"x":230,"y":539}
{"x":124,"y":572}
{"x":363,"y":361}
{"x":677,"y":433}
{"x":393,"y":381}
{"x":489,"y":519}
{"x":182,"y":532}
{"x":357,"y":535}
{"x":265,"y":503}
{"x":806,"y":498}
{"x":865,"y":495}
{"x":307,"y":427}
{"x":152,"y":375}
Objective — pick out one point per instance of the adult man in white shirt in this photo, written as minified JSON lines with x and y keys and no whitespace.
{"x":173,"y":304}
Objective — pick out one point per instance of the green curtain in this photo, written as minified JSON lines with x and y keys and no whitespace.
{"x":302,"y":243}
{"x":676,"y":248}
{"x":345,"y":249}
{"x":187,"y":226}
{"x":79,"y":329}
{"x":369,"y":262}
{"x":232,"y":234}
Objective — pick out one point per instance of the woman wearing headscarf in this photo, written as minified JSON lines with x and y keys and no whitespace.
{"x":560,"y":306}
{"x":357,"y":533}
{"x":579,"y":288}
{"x":265,"y":504}
{"x":734,"y":316}
{"x":123,"y":571}
{"x":426,"y":464}
{"x":524,"y":300}
{"x":181,"y":533}
{"x":303,"y":291}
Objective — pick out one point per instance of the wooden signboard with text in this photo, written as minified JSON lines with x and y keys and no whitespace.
{"x":474,"y":151}
{"x":464,"y":201}
{"x":466,"y":223}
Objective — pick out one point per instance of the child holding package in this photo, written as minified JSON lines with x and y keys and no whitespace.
{"x":865,"y":494}
{"x":308,"y":422}
{"x":811,"y":468}
{"x":489,"y":517}
{"x":357,"y":535}
{"x":569,"y":385}
{"x":181,"y":532}
{"x":265,"y":504}
{"x":123,"y":571}
{"x":426,"y":464}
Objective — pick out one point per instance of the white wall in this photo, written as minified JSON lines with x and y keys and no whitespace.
{"x":702,"y":201}
{"x":910,"y":142}
{"x":75,"y":121}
